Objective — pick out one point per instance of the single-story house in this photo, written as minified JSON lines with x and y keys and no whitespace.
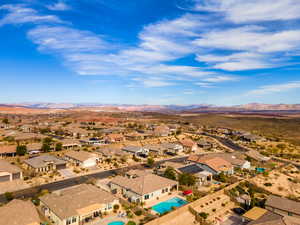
{"x":215,"y":165}
{"x":156,"y":149}
{"x":34,"y":148}
{"x":70,"y":143}
{"x":136,"y":150}
{"x":45,"y":163}
{"x":110,"y":152}
{"x":9,"y":172}
{"x":8,"y":151}
{"x":283,"y":206}
{"x":18,"y":212}
{"x":260,"y":216}
{"x":235,"y":159}
{"x":203,"y":177}
{"x":162,"y":131}
{"x":172,"y":148}
{"x":189,"y":145}
{"x":142,"y":188}
{"x":112,"y":138}
{"x":77,"y":205}
{"x":82,"y":158}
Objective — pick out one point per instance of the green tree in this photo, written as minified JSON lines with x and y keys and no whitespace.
{"x":58,"y":146}
{"x":5,"y":121}
{"x":170,"y":173}
{"x":47,"y":140}
{"x":8,"y":196}
{"x":21,"y":150}
{"x":187,"y":179}
{"x":131,"y":223}
{"x":46,"y":147}
{"x":150,"y":162}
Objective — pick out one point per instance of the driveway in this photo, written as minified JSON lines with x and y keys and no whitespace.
{"x":67,"y":173}
{"x":233,"y":220}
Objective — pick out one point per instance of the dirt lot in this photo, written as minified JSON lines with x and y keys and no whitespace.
{"x":285,"y":182}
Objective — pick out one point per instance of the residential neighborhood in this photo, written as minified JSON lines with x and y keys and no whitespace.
{"x":86,"y":171}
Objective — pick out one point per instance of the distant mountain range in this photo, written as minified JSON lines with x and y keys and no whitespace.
{"x":196,"y":108}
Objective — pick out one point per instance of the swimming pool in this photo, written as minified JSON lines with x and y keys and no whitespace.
{"x":166,"y":206}
{"x":116,"y":223}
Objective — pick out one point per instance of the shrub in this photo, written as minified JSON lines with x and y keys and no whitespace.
{"x":138,"y":212}
{"x":203,"y":215}
{"x":8,"y":196}
{"x":131,"y":223}
{"x":116,"y":207}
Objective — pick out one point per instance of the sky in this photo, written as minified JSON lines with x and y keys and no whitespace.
{"x":222,"y":52}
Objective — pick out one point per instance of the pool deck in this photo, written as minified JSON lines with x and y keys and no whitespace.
{"x":108,"y":220}
{"x":153,"y":202}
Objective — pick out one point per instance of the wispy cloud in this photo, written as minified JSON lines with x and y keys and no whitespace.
{"x":58,"y":6}
{"x":276,"y":88}
{"x":20,"y":14}
{"x":153,"y":82}
{"x":240,"y":11}
{"x":218,"y":79}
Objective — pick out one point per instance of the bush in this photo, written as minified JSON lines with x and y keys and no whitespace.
{"x":268,"y":184}
{"x":131,"y":223}
{"x":203,"y":215}
{"x":116,"y":207}
{"x":8,"y":196}
{"x":138,"y":212}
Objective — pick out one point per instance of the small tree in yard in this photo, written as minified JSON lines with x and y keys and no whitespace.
{"x":187,"y":179}
{"x":5,"y":121}
{"x":21,"y":150}
{"x":150,"y":162}
{"x":131,"y":223}
{"x":170,"y":173}
{"x":58,"y":146}
{"x":46,"y":147}
{"x":8,"y":196}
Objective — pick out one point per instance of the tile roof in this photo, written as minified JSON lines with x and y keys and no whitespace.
{"x":215,"y":162}
{"x":144,"y":184}
{"x":77,"y":200}
{"x":43,"y":160}
{"x":18,"y":212}
{"x":79,"y":155}
{"x":7,"y":167}
{"x":283,"y":204}
{"x":8,"y":149}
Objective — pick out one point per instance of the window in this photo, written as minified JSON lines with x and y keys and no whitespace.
{"x":146,"y":197}
{"x":74,"y":219}
{"x":290,"y":214}
{"x":68,"y":221}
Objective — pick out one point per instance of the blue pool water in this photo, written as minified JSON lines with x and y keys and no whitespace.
{"x":116,"y":223}
{"x":166,"y":206}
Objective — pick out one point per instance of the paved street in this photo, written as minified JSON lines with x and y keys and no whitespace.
{"x":54,"y":186}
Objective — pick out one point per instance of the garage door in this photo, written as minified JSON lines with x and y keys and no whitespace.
{"x":60,"y":167}
{"x":4,"y":178}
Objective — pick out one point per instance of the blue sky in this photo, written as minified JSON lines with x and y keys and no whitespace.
{"x":150,"y":51}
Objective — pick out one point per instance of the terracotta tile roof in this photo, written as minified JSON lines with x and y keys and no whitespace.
{"x":8,"y":149}
{"x":144,"y":184}
{"x":18,"y":212}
